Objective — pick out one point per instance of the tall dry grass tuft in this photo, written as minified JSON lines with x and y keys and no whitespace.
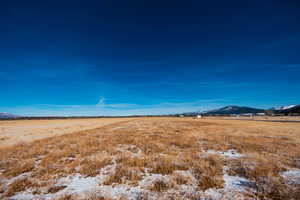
{"x":274,"y":188}
{"x":18,"y":186}
{"x":65,"y":197}
{"x":162,"y":165}
{"x":265,"y":177}
{"x":254,"y":167}
{"x":133,"y":161}
{"x":123,"y":174}
{"x":20,"y":167}
{"x":159,"y":186}
{"x":55,"y":189}
{"x":209,"y":172}
{"x":92,"y":167}
{"x":180,"y":179}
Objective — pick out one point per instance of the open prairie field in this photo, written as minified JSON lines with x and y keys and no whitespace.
{"x":18,"y":131}
{"x":149,"y":158}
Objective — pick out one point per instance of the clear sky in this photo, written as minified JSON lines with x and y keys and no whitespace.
{"x":147,"y":57}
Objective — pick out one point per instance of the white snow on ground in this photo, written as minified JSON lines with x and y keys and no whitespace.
{"x":80,"y":184}
{"x":234,"y":186}
{"x":24,"y":196}
{"x":292,"y":176}
{"x":236,"y":183}
{"x":118,"y":191}
{"x":149,"y":180}
{"x":6,"y":182}
{"x":75,"y":185}
{"x":231,"y":153}
{"x":21,"y":176}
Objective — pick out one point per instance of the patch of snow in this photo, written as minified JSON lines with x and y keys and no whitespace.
{"x":24,"y":196}
{"x":292,"y":176}
{"x":235,"y":187}
{"x":118,"y":191}
{"x":236,"y":183}
{"x":148,"y":181}
{"x":185,"y":173}
{"x":213,"y":193}
{"x":80,"y":184}
{"x":7,"y":182}
{"x":228,"y":108}
{"x":21,"y":176}
{"x":231,"y":153}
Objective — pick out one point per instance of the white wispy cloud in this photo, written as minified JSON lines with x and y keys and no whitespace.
{"x":101,"y":102}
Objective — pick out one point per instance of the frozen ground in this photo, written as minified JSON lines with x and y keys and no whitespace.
{"x":81,"y":186}
{"x":235,"y":187}
{"x":292,"y":176}
{"x":231,"y":153}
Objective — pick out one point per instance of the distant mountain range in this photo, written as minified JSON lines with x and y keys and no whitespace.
{"x":285,"y":107}
{"x":234,"y":110}
{"x":4,"y":115}
{"x":238,"y":110}
{"x":227,"y":110}
{"x":286,"y":110}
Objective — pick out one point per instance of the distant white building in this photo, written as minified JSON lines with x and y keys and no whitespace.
{"x":199,"y":116}
{"x":247,"y":114}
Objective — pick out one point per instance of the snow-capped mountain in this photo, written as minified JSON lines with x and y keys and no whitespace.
{"x":235,"y":110}
{"x":228,"y":110}
{"x":4,"y":115}
{"x":285,"y":107}
{"x":287,"y":110}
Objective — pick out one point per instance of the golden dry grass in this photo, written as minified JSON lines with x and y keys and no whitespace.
{"x":18,"y":131}
{"x":161,"y":146}
{"x":18,"y":186}
{"x":91,"y":166}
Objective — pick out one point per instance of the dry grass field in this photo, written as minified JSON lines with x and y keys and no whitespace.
{"x":17,"y":131}
{"x":153,"y":158}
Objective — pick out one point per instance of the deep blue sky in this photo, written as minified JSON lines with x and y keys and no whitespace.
{"x":147,"y":57}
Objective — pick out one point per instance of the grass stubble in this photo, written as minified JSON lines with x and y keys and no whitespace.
{"x":164,"y":146}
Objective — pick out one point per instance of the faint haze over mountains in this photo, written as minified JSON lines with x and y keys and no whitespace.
{"x":147,"y":57}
